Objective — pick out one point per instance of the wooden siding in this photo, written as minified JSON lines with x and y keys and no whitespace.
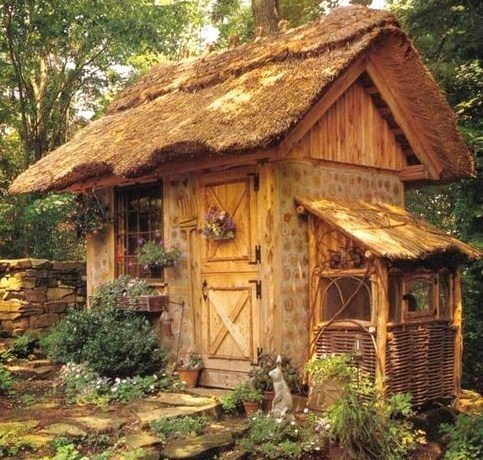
{"x":353,"y":131}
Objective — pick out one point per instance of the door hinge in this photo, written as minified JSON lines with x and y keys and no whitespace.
{"x":256,"y":181}
{"x":258,"y":256}
{"x":258,"y":288}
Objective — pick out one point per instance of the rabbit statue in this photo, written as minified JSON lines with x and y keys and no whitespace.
{"x":282,"y":400}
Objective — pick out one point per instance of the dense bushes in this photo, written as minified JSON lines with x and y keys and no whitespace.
{"x":465,"y":438}
{"x":114,"y":343}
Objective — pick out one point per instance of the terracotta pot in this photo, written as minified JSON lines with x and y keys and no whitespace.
{"x":189,"y":376}
{"x":251,"y":407}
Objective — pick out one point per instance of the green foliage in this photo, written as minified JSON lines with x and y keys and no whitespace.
{"x":12,"y":445}
{"x":465,"y":438}
{"x":155,"y":253}
{"x":363,"y":421}
{"x":268,"y":361}
{"x":105,"y":296}
{"x":22,"y":346}
{"x":90,"y":214}
{"x":166,"y":428}
{"x":38,"y":227}
{"x":114,"y":343}
{"x":6,"y":380}
{"x":242,"y":392}
{"x":268,"y":438}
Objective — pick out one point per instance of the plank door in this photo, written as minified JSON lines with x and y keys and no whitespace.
{"x":230,"y":289}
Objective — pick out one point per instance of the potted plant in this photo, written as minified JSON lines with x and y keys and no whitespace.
{"x":189,"y":369}
{"x":244,"y":394}
{"x":156,"y":257}
{"x":90,"y":215}
{"x":219,"y":225}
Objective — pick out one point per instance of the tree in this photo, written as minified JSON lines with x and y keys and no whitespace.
{"x":57,"y":56}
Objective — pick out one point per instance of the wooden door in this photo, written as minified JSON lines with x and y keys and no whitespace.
{"x":231,"y":289}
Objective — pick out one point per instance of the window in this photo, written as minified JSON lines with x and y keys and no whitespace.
{"x":348,"y":298}
{"x":419,"y":296}
{"x":139,"y":211}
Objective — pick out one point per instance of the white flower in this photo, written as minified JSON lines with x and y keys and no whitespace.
{"x":306,"y":410}
{"x":292,"y":423}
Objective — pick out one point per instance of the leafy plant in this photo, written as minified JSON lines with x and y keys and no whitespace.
{"x":268,"y":438}
{"x":154,"y":253}
{"x":22,"y":346}
{"x":465,"y":438}
{"x":242,"y":392}
{"x":182,"y":426}
{"x":12,"y":445}
{"x":105,"y":296}
{"x":192,"y":360}
{"x":114,"y":343}
{"x":90,"y":214}
{"x":6,"y":380}
{"x":268,"y":361}
{"x":363,"y":421}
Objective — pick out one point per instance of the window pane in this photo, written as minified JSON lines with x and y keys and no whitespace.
{"x":139,"y":211}
{"x":351,"y":295}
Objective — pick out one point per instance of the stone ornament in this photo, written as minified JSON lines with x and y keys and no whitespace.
{"x":282,"y":402}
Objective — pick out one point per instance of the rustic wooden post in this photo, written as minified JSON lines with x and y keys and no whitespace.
{"x":457,"y":323}
{"x":381,"y":308}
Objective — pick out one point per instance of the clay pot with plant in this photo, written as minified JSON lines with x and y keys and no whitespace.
{"x":189,"y":369}
{"x":244,"y":395}
{"x":154,"y":256}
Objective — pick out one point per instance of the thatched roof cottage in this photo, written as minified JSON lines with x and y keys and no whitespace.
{"x":308,"y":140}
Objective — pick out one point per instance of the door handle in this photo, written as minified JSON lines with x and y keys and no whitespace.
{"x":203,"y":290}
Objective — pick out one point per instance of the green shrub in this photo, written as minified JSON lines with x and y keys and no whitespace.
{"x":465,"y":438}
{"x":181,"y":426}
{"x":6,"y":380}
{"x":22,"y":346}
{"x":114,"y":343}
{"x":363,"y":421}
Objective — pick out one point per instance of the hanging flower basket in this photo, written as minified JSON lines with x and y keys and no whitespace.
{"x":219,"y":225}
{"x":91,"y":215}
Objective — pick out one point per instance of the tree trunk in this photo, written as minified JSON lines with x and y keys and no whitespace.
{"x":266,"y":15}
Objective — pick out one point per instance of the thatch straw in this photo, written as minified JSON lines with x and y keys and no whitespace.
{"x":251,"y":97}
{"x":387,"y":230}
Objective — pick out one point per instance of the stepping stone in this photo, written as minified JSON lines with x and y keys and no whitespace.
{"x":39,"y":441}
{"x":64,"y":429}
{"x":199,"y":447}
{"x":101,"y":423}
{"x":182,"y":399}
{"x":142,"y":439}
{"x":146,"y":417}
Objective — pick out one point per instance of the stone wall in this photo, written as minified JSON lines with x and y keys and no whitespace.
{"x":35,"y":293}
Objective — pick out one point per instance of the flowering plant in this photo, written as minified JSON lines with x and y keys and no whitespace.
{"x":219,"y":224}
{"x":90,"y":214}
{"x":153,"y":253}
{"x":192,"y":360}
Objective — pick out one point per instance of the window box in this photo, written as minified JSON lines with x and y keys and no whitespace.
{"x":144,"y":303}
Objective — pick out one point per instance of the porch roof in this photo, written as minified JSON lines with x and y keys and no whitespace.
{"x":249,"y":98}
{"x":387,"y":230}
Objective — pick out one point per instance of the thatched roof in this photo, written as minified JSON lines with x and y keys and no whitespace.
{"x":251,"y":97}
{"x":387,"y":230}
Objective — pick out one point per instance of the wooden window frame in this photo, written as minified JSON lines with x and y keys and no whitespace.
{"x":126,"y":237}
{"x":432,"y":310}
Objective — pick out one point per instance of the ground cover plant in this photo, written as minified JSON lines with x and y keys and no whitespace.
{"x":187,"y":425}
{"x":465,"y":438}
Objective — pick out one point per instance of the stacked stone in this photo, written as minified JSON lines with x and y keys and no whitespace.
{"x":35,"y":293}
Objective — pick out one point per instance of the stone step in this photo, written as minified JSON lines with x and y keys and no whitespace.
{"x":44,"y":372}
{"x":204,"y":447}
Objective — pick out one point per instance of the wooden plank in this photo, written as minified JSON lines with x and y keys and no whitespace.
{"x":337,"y":88}
{"x":414,"y":137}
{"x":457,"y":323}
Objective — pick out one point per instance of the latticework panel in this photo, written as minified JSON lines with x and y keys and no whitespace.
{"x":420,"y":360}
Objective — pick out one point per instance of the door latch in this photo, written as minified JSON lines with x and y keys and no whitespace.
{"x":258,"y":288}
